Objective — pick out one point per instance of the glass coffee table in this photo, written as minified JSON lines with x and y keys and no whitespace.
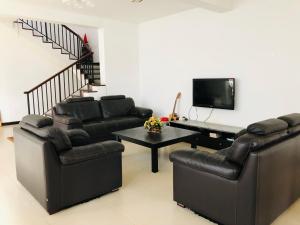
{"x":168,"y":136}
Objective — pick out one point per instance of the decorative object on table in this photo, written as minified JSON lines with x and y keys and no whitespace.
{"x":153,"y":125}
{"x":164,"y":119}
{"x":174,"y":116}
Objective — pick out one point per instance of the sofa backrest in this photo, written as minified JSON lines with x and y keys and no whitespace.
{"x":258,"y":136}
{"x":116,"y":106}
{"x":85,"y":109}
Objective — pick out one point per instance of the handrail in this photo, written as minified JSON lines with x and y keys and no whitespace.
{"x":57,"y":74}
{"x":69,"y":29}
{"x":50,"y":38}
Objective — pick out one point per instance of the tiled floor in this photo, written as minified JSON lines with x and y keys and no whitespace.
{"x":144,"y":199}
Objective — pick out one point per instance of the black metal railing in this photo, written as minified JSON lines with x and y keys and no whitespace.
{"x":61,"y":37}
{"x":58,"y":87}
{"x":68,"y":81}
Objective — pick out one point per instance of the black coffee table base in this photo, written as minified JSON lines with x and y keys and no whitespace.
{"x":154,"y":160}
{"x":169,"y":136}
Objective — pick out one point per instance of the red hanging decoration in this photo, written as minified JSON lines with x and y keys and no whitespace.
{"x":85,"y":39}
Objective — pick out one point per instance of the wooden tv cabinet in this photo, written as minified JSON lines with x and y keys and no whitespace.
{"x":212,"y":135}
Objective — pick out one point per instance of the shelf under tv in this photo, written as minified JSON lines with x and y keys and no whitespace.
{"x":215,"y":136}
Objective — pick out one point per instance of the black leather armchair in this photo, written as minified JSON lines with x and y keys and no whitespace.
{"x":100,"y":118}
{"x":250,"y":183}
{"x":60,"y":168}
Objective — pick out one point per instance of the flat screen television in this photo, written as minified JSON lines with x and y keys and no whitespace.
{"x":214,"y":93}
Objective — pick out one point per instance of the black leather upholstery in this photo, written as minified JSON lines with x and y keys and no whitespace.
{"x":67,"y":120}
{"x":78,"y":137}
{"x":264,"y":183}
{"x":100,"y":129}
{"x":141,"y":112}
{"x":292,"y":119}
{"x":60,"y":139}
{"x":82,"y":153}
{"x":113,"y":97}
{"x":59,"y":175}
{"x":40,"y":132}
{"x":37,"y":120}
{"x":267,"y":127}
{"x":83,"y":110}
{"x":118,"y":113}
{"x":116,"y":107}
{"x":211,"y":163}
{"x":246,"y":143}
{"x":79,"y":99}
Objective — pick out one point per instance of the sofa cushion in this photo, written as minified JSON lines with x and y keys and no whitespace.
{"x":60,"y":139}
{"x":37,"y":120}
{"x":89,"y":152}
{"x":127,"y":122}
{"x":85,"y":111}
{"x":79,"y":99}
{"x":267,"y":127}
{"x":116,"y":107}
{"x":78,"y":137}
{"x":292,"y":119}
{"x":207,"y":162}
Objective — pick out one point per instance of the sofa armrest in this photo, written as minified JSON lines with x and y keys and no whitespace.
{"x":207,"y":162}
{"x":66,"y":122}
{"x":89,"y":152}
{"x":142,"y":112}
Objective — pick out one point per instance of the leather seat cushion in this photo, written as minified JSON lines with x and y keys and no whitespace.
{"x":89,"y":152}
{"x":37,"y":120}
{"x":85,"y":111}
{"x":292,"y":119}
{"x":99,"y":128}
{"x":267,"y":127}
{"x":116,"y":107}
{"x":207,"y":162}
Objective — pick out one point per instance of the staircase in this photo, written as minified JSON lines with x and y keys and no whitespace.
{"x":72,"y":81}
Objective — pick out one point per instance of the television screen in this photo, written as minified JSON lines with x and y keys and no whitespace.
{"x":214,"y":93}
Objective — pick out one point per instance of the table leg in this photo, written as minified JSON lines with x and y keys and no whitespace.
{"x":194,"y":142}
{"x":118,"y":139}
{"x":154,"y":159}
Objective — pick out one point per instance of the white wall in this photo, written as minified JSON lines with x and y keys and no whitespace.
{"x":25,"y":61}
{"x":258,"y":43}
{"x":121,"y":59}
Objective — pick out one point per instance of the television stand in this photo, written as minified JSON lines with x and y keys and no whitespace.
{"x":212,"y":135}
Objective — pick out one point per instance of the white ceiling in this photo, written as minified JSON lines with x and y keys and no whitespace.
{"x":125,"y":10}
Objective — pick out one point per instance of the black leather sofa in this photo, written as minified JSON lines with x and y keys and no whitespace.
{"x":100,"y":118}
{"x":61,"y":168}
{"x":250,"y":183}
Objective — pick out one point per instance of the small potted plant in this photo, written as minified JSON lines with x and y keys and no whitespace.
{"x":153,"y":125}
